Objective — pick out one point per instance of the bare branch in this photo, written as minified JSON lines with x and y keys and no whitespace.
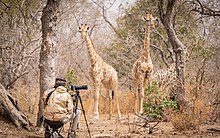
{"x":104,"y":15}
{"x":106,"y":19}
{"x":169,"y":9}
{"x":161,"y":54}
{"x":203,"y":9}
{"x":200,"y":5}
{"x":160,"y":8}
{"x":5,"y":4}
{"x":209,"y":12}
{"x":166,"y":44}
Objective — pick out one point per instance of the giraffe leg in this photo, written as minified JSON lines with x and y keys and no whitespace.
{"x":117,"y":103}
{"x":110,"y":103}
{"x":141,"y":96}
{"x":146,"y":80}
{"x":135,"y":95}
{"x":96,"y":101}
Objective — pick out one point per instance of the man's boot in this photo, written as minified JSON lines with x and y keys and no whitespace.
{"x":47,"y":133}
{"x":72,"y":134}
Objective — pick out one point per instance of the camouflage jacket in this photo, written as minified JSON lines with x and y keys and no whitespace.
{"x":59,"y":104}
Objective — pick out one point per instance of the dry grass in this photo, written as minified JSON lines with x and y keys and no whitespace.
{"x":196,"y":112}
{"x":28,"y":99}
{"x":126,"y":100}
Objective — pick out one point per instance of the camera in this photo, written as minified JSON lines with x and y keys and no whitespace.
{"x":75,"y":87}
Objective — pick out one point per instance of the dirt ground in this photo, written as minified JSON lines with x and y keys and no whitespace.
{"x":112,"y":128}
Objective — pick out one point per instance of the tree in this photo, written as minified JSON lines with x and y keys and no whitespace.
{"x":126,"y":47}
{"x":178,"y":47}
{"x":19,"y":44}
{"x":11,"y":109}
{"x":48,"y":49}
{"x":206,"y":8}
{"x":19,"y":40}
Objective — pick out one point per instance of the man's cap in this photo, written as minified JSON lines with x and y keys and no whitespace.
{"x":60,"y":82}
{"x":60,"y":79}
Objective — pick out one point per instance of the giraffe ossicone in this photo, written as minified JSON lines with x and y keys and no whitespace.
{"x":101,"y":73}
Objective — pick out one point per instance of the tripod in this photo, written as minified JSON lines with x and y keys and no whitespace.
{"x":78,"y":98}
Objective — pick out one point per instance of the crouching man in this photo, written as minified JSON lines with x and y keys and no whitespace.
{"x":59,"y":109}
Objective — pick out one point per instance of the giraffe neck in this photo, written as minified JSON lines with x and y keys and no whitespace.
{"x":146,"y":51}
{"x":91,"y":51}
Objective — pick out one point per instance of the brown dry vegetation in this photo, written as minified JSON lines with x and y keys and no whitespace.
{"x":126,"y":128}
{"x":191,"y":122}
{"x":125,"y":102}
{"x":193,"y":117}
{"x":201,"y":111}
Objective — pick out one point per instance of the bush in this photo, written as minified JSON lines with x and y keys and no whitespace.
{"x":157,"y":105}
{"x":193,"y":114}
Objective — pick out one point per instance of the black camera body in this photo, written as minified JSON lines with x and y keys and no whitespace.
{"x":79,"y":87}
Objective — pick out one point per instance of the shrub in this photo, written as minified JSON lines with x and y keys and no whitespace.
{"x":193,"y":114}
{"x":157,"y":104}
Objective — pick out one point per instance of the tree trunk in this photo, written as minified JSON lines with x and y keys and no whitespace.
{"x":177,"y":45}
{"x":11,"y":109}
{"x":48,"y":50}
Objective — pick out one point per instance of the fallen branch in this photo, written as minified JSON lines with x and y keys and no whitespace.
{"x":147,"y":124}
{"x":214,"y":129}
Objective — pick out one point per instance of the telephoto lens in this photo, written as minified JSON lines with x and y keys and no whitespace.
{"x":80,"y":87}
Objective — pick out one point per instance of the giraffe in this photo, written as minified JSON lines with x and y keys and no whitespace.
{"x":101,"y":73}
{"x":143,"y":67}
{"x":166,"y":79}
{"x":167,"y":75}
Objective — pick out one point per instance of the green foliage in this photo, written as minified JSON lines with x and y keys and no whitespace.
{"x":129,"y":42}
{"x":156,"y":102}
{"x":132,"y":20}
{"x":71,"y":77}
{"x":150,"y":89}
{"x":205,"y":52}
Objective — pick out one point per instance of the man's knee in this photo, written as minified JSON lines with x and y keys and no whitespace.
{"x":67,"y":119}
{"x":78,"y":112}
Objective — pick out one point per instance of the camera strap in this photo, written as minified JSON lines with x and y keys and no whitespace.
{"x":48,"y":96}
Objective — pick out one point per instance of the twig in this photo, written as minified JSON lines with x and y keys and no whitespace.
{"x":141,"y":117}
{"x":147,"y":125}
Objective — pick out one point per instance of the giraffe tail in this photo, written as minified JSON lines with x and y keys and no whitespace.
{"x":113,"y":94}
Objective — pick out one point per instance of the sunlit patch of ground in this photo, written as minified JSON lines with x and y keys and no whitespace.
{"x":112,"y":128}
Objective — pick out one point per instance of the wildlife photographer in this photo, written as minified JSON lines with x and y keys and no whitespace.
{"x":59,"y":109}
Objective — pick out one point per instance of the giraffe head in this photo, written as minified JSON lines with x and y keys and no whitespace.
{"x":83,"y":29}
{"x":150,"y":20}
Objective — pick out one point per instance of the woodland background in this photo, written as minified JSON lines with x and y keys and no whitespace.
{"x":117,"y":31}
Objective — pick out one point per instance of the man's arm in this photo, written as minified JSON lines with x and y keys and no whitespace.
{"x":70,"y":104}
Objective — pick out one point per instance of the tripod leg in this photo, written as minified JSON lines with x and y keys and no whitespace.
{"x":84,"y":116}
